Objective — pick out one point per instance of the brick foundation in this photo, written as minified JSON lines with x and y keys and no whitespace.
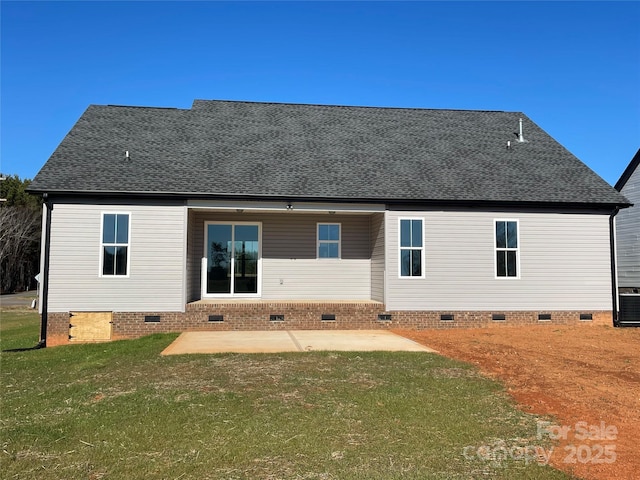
{"x":308,"y":316}
{"x":57,"y":329}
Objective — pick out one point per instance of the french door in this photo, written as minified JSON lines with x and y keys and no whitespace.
{"x":232,"y":253}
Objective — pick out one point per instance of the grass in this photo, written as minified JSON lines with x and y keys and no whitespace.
{"x":122,"y":411}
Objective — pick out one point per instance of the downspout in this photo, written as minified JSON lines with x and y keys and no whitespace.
{"x":614,"y":268}
{"x":45,"y":274}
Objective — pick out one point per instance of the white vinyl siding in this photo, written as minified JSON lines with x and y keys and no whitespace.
{"x":565,"y":256}
{"x":156,"y":264}
{"x":377,"y":257}
{"x":291,"y":271}
{"x":290,"y":267}
{"x":313,"y":280}
{"x":628,"y":235}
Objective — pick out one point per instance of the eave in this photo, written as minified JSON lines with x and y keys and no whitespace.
{"x":392,"y":203}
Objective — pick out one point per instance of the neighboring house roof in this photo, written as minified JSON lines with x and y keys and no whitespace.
{"x":626,"y":175}
{"x":293,"y":151}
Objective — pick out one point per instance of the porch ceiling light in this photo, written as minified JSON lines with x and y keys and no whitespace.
{"x":289,"y":206}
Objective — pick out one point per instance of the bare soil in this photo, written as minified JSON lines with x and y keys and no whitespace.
{"x":586,"y":377}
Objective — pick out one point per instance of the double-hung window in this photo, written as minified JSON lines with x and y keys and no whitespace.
{"x":328,"y":240}
{"x":507,"y":256}
{"x":411,"y":248}
{"x":115,"y":244}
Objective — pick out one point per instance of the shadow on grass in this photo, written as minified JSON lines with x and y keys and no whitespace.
{"x":37,"y":346}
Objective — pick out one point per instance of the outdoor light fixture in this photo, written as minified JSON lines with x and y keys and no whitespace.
{"x":289,"y":206}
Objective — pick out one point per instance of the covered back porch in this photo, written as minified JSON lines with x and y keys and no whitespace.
{"x":249,"y":255}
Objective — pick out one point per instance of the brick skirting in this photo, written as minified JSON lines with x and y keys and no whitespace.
{"x":314,"y":316}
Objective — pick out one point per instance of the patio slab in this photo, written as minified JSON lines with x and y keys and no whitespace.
{"x":291,"y":341}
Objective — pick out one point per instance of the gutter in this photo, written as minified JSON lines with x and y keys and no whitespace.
{"x":614,"y":268}
{"x":44,"y":318}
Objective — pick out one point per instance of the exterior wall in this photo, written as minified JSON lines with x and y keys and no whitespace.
{"x":156,"y":271}
{"x":564,"y":263}
{"x":564,"y":272}
{"x":628,"y":236}
{"x":290,"y":269}
{"x":377,"y":257}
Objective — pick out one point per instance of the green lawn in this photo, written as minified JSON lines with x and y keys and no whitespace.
{"x":121,"y":411}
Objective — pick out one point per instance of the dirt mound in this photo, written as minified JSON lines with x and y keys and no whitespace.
{"x":587,"y":377}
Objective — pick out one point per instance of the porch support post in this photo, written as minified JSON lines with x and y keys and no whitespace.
{"x":203,"y":277}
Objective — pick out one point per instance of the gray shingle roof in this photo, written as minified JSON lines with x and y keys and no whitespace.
{"x":314,"y":151}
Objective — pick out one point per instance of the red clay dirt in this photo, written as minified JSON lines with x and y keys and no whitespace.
{"x":586,"y":377}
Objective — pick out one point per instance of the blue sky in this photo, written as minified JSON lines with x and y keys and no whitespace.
{"x":573,"y":68}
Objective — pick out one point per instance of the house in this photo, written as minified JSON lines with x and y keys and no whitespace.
{"x":628,"y":244}
{"x":241,"y":215}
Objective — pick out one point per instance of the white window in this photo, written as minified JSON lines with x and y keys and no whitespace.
{"x":507,"y":254}
{"x":329,"y":240}
{"x":411,"y":248}
{"x":114,"y":250}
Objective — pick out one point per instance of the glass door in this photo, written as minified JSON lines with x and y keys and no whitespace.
{"x":233,"y":254}
{"x":245,"y":255}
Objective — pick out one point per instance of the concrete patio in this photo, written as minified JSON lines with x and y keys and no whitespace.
{"x":291,"y":341}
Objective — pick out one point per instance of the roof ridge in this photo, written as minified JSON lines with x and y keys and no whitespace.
{"x":328,"y":105}
{"x":138,"y":106}
{"x":626,"y":175}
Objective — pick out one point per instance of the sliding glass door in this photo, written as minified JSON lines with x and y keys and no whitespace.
{"x":233,"y":258}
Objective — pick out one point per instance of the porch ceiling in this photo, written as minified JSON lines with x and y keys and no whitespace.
{"x":290,"y":206}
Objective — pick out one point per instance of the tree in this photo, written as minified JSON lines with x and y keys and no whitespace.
{"x":20,"y":222}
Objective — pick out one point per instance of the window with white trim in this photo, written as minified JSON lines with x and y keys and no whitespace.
{"x":411,"y":248}
{"x":507,"y":254}
{"x":115,"y":244}
{"x":329,"y":240}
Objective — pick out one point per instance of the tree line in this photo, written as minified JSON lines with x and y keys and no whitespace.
{"x":20,"y":227}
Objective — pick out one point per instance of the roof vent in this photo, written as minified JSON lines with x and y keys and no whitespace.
{"x":520,"y":134}
{"x":519,"y":137}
